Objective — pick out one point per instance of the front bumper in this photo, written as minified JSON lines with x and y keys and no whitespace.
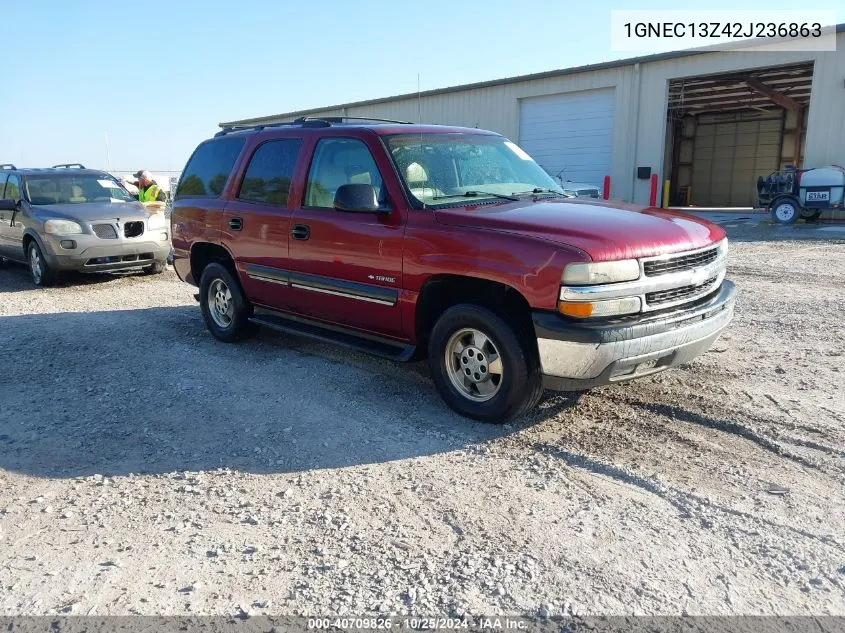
{"x":577,"y":356}
{"x":91,"y":254}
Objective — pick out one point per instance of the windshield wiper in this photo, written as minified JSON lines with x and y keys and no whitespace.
{"x":474,"y":194}
{"x":542,"y":190}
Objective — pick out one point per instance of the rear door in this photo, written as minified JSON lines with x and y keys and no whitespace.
{"x":256,"y":222}
{"x":346,"y":268}
{"x":14,"y":233}
{"x":11,"y":228}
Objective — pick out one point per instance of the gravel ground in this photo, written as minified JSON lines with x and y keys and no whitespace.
{"x":147,"y":469}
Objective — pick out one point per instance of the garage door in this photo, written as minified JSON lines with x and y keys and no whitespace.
{"x":728,"y":157}
{"x":571,"y":132}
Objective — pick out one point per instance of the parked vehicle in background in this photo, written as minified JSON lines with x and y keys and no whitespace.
{"x":793,"y":193}
{"x":68,"y":218}
{"x":413,"y":241}
{"x":575,"y":189}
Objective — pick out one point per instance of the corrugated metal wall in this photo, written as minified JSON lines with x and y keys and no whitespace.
{"x":639,"y":130}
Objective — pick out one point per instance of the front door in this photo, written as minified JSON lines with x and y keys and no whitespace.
{"x":256,"y":223}
{"x":11,"y":227}
{"x":346,"y":267}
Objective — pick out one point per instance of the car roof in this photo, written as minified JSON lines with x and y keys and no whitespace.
{"x":381,"y":127}
{"x":38,"y":171}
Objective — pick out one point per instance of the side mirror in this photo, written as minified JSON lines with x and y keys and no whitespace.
{"x":7,"y":204}
{"x":356,"y":198}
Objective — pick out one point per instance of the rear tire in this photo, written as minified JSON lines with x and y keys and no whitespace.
{"x":155,"y":268}
{"x":225,"y":309}
{"x":812,"y":216}
{"x":786,"y":210}
{"x":482,"y":366}
{"x":40,"y":271}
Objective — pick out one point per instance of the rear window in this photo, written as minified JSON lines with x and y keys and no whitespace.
{"x":268,"y":176}
{"x":208,"y":169}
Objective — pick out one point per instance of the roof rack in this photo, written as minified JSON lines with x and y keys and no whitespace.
{"x":305,"y":121}
{"x":7,"y":166}
{"x":341,"y":119}
{"x":257,"y":128}
{"x":69,"y":166}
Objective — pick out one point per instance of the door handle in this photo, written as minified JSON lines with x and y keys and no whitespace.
{"x":300,"y":232}
{"x":236,"y":224}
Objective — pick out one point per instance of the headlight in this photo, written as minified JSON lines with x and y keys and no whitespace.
{"x":591,"y":273}
{"x":62,"y":227}
{"x":606,"y":308}
{"x":156,"y":221}
{"x":723,"y":247}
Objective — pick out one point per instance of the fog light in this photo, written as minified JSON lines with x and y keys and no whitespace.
{"x":163,"y":237}
{"x":610,"y":307}
{"x":68,"y":244}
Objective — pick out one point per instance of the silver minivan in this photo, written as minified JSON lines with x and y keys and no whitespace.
{"x":68,"y":218}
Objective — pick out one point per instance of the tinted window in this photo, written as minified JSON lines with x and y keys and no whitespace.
{"x":13,"y":188}
{"x":340,"y":161}
{"x":268,"y":176}
{"x":208,"y":169}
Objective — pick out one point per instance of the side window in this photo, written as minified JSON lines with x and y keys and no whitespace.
{"x":208,"y":169}
{"x":268,"y":175}
{"x":340,"y":161}
{"x":2,"y":184}
{"x":13,"y":187}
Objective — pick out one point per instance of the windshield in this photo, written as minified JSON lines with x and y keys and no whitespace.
{"x":442,"y":169}
{"x":74,"y":189}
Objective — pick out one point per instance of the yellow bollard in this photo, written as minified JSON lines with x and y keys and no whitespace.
{"x":666,"y":186}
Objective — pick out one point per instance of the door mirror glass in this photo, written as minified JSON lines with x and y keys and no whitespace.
{"x":358,"y":198}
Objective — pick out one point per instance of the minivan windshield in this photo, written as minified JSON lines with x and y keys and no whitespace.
{"x":445,"y":169}
{"x":54,"y":188}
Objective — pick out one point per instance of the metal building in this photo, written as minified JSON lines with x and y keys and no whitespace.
{"x":709,"y":122}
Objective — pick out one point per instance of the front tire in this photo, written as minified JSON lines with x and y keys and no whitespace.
{"x":225,"y":309}
{"x":482,"y":366}
{"x":40,"y":271}
{"x":155,"y":268}
{"x":786,"y":211}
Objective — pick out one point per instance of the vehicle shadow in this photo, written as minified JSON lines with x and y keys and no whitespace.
{"x":150,"y":391}
{"x":16,"y":278}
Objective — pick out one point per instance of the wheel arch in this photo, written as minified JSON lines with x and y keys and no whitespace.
{"x":440,"y":292}
{"x":29,"y":236}
{"x":204,"y":253}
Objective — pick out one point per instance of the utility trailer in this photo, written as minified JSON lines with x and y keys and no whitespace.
{"x":793,"y":193}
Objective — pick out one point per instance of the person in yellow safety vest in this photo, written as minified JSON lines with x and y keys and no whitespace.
{"x":148,"y":189}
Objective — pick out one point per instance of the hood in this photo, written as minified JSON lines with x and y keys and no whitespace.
{"x":603,"y":230}
{"x":88,"y":211}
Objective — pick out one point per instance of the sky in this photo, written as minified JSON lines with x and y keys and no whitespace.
{"x":123,"y":88}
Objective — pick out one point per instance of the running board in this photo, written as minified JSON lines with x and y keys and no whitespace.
{"x":377,"y":346}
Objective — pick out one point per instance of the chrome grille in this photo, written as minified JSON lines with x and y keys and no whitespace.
{"x":678,"y":294}
{"x":677,"y":263}
{"x":133,"y":229}
{"x":587,"y":193}
{"x":105,"y":231}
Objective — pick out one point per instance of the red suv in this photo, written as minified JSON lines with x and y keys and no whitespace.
{"x":412,"y":240}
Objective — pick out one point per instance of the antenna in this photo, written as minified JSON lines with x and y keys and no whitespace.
{"x":108,"y":154}
{"x":419,"y":100}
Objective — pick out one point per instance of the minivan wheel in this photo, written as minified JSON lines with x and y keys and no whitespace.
{"x":39,"y":269}
{"x":155,"y":268}
{"x":224,"y":307}
{"x":481,"y":365}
